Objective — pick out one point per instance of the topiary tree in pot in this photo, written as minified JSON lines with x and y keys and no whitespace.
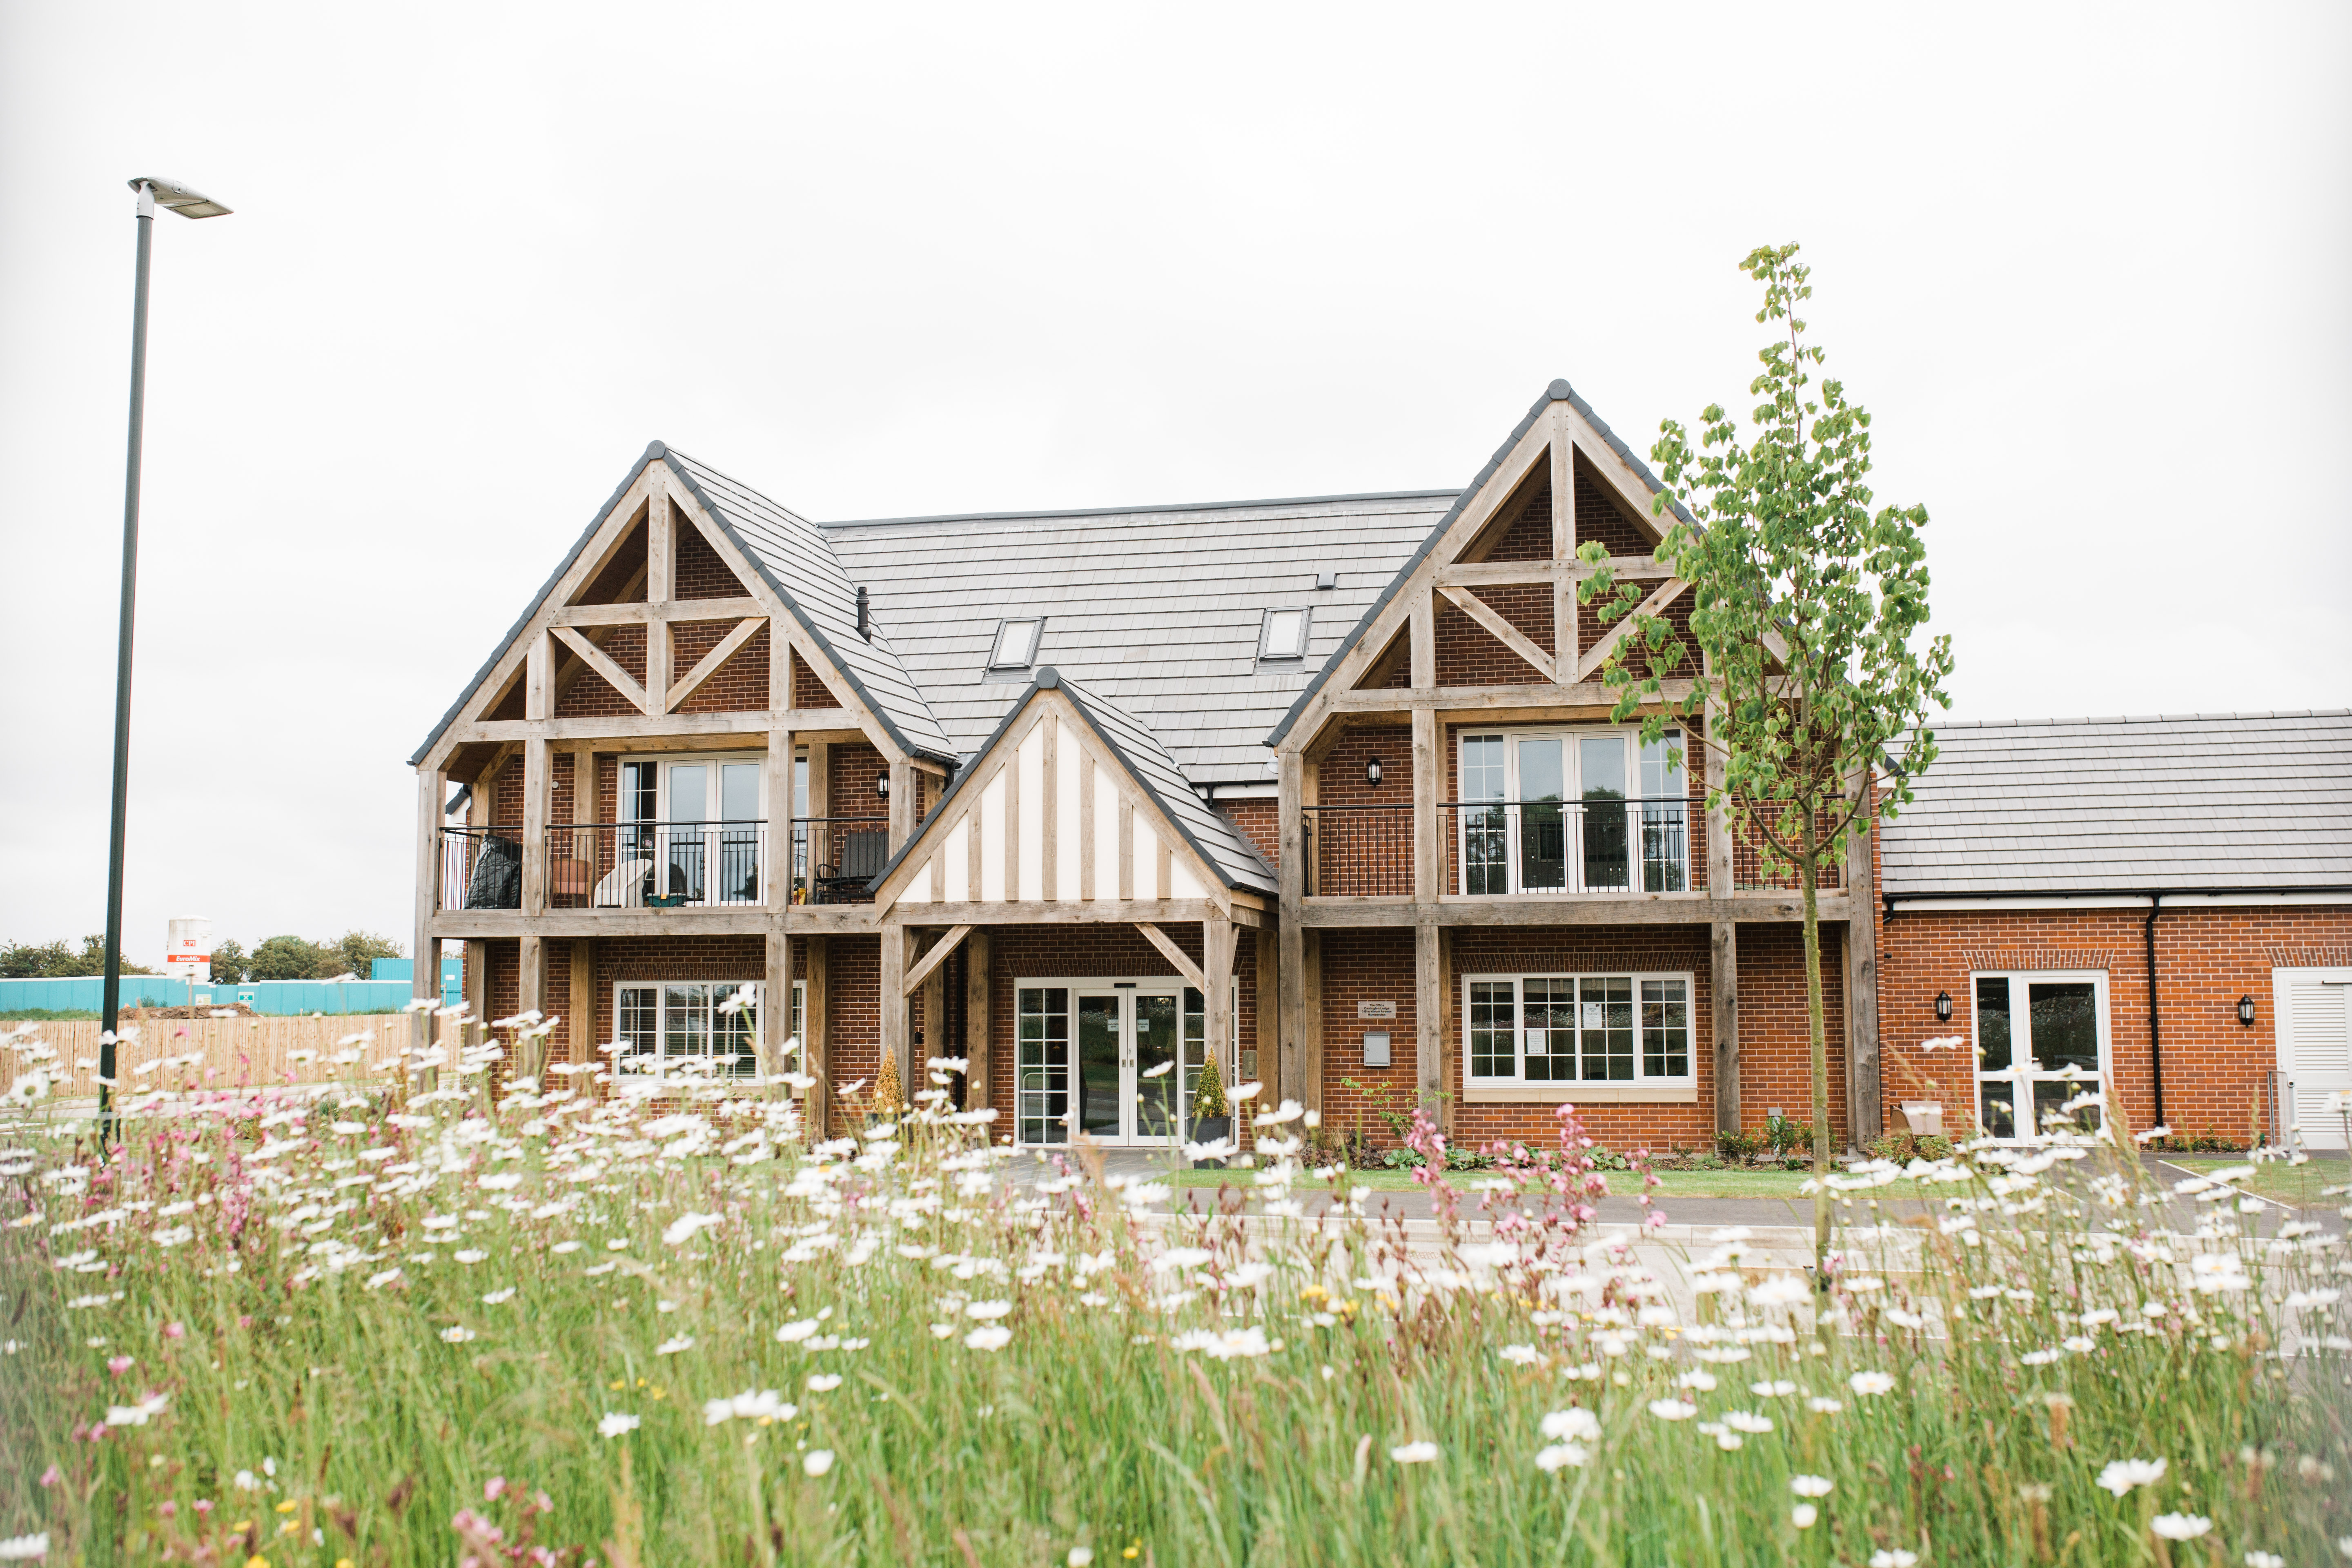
{"x":1213,"y":1116}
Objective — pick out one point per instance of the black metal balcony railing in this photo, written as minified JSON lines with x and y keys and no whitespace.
{"x":1498,"y":849}
{"x":663,"y":865}
{"x":657,"y":865}
{"x":835,"y":856}
{"x":1358,"y":851}
{"x":1594,"y":846}
{"x":482,"y":867}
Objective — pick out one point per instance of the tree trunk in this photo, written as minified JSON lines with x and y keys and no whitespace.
{"x":1809,"y":872}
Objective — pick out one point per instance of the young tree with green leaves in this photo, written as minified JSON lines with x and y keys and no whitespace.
{"x":1805,"y":605}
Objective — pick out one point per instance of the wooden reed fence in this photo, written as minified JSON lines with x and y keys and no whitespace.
{"x":236,"y":1051}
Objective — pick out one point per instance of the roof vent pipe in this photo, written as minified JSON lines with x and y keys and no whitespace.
{"x":864,"y":625}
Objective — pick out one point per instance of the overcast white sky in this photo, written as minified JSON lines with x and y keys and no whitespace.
{"x":2086,"y":265}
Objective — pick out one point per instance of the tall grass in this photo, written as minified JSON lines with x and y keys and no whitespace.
{"x":386,"y":1329}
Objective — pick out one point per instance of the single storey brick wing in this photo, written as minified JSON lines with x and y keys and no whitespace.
{"x":1323,"y":790}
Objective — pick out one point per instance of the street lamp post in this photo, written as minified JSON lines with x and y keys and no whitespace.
{"x":187,"y":203}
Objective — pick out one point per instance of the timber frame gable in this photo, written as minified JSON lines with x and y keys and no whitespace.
{"x":1557,"y":431}
{"x":560,"y":638}
{"x":969,"y":843}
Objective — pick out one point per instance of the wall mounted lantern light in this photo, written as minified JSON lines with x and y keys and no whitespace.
{"x":2246,"y":1011}
{"x":882,"y":785}
{"x":1372,"y":772}
{"x":1943,"y":1006}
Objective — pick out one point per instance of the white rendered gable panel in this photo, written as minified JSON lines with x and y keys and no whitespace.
{"x":955,"y":864}
{"x":1064,"y":883}
{"x":1031,"y":760}
{"x":1147,"y":859}
{"x":1181,"y":883}
{"x":990,"y":814}
{"x":918,"y":891}
{"x":1107,"y":811}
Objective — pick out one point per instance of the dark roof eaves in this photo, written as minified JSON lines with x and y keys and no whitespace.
{"x":1133,"y":510}
{"x":759,"y":563}
{"x":653,"y":450}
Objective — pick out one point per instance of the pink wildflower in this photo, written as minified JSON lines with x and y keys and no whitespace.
{"x":52,"y":1475}
{"x":175,"y":1330}
{"x":118,"y":1364}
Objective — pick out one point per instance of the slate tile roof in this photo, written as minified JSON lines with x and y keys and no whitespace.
{"x":2208,"y":801}
{"x":1155,"y":610}
{"x":800,"y":565}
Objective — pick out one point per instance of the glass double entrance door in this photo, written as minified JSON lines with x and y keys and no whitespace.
{"x":1136,"y":1059}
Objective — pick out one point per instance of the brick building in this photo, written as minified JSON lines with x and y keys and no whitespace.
{"x":1323,"y":790}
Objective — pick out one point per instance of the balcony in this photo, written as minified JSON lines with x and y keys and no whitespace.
{"x":663,"y":865}
{"x":1504,"y":849}
{"x":1501,"y":848}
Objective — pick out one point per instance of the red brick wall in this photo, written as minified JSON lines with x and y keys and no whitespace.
{"x":591,"y":696}
{"x":1470,"y":655}
{"x":1599,"y":517}
{"x":1375,"y":965}
{"x":855,"y":767}
{"x":853,"y":1012}
{"x":1529,"y":538}
{"x":1378,"y":965}
{"x":700,"y":573}
{"x":740,"y":686}
{"x":1260,"y":823}
{"x":808,"y":690}
{"x":506,"y":795}
{"x":629,"y":562}
{"x":2206,"y":960}
{"x":1366,"y":853}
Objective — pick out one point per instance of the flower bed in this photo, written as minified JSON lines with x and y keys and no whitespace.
{"x":641,"y":1324}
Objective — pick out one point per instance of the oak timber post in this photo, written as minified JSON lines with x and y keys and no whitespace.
{"x":904,"y":796}
{"x":432,"y":787}
{"x":1428,"y":1081}
{"x":1723,"y":981}
{"x":892,"y":1002}
{"x":976,"y":1040}
{"x":816,"y":1038}
{"x":661,"y":562}
{"x":582,"y":1002}
{"x":1289,"y":935}
{"x":1217,"y":971}
{"x":538,"y":779}
{"x":1425,"y":888}
{"x":1282,"y":1083}
{"x":776,"y":1014}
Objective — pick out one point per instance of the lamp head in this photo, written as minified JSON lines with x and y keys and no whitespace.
{"x":1943,"y":1006}
{"x":178,"y":197}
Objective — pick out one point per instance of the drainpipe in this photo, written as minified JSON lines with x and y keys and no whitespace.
{"x":2155,"y":1035}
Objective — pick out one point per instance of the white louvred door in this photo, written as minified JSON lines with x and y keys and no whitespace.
{"x":2315,"y":1048}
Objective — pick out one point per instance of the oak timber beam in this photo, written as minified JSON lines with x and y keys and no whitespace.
{"x":636,"y":612}
{"x":603,"y":663}
{"x":1491,"y":699}
{"x":1037,"y":911}
{"x":1665,"y":594}
{"x":921,"y":969}
{"x":1501,"y":630}
{"x":828,"y":722}
{"x":1175,"y":955}
{"x":1339,"y":914}
{"x":691,"y":681}
{"x":1525,"y":573}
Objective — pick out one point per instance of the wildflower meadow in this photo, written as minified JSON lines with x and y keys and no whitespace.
{"x":433,"y":1313}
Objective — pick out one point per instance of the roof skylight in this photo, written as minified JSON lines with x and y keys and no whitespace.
{"x":1016,"y":645}
{"x":1284,"y":635}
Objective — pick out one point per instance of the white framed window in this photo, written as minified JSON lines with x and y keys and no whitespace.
{"x":691,"y":829}
{"x":1283,"y":634}
{"x":666,"y":1020}
{"x":1587,"y":810}
{"x":1015,"y":646}
{"x":1577,"y":1028}
{"x":1119,"y":1059}
{"x":2041,"y":1044}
